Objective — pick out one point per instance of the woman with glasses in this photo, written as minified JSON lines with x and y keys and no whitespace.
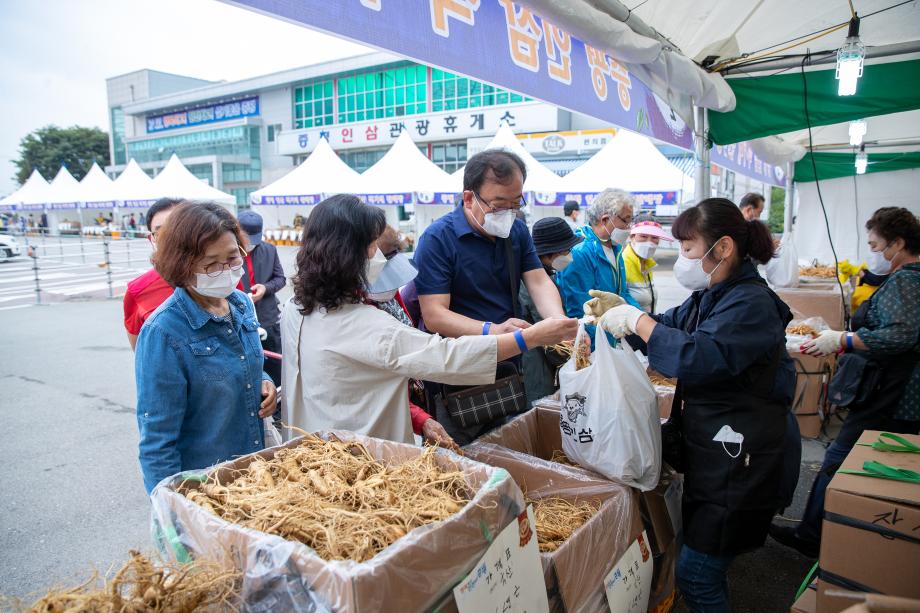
{"x":201,"y":389}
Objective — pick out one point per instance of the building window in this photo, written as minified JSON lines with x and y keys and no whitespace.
{"x":313,"y":104}
{"x":273,"y":131}
{"x":450,"y":92}
{"x":449,"y":156}
{"x":118,"y":137}
{"x":362,"y":159}
{"x":393,"y":92}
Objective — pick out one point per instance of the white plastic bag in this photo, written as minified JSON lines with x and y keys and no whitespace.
{"x":272,"y":436}
{"x":609,"y":417}
{"x":783,"y":270}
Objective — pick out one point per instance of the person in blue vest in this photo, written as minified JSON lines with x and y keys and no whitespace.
{"x":597,"y":269}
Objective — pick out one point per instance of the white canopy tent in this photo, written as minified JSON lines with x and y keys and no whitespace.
{"x":175,"y":181}
{"x":404,"y":175}
{"x":629,"y":161}
{"x":63,"y":195}
{"x":97,"y":189}
{"x":134,"y":188}
{"x":322,"y":174}
{"x":31,"y":196}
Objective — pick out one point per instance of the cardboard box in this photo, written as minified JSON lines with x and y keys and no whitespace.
{"x":876,"y":603}
{"x":414,"y":573}
{"x":810,"y":400}
{"x":575,"y":572}
{"x":807,"y":602}
{"x":808,"y":301}
{"x":869,"y":535}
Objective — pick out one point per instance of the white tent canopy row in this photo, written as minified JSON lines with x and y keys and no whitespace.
{"x":133,"y":188}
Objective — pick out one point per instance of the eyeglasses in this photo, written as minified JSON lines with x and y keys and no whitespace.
{"x":215,"y":268}
{"x":500,"y":204}
{"x":628,"y":222}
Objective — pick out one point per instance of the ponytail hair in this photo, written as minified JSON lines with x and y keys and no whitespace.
{"x":714,"y":218}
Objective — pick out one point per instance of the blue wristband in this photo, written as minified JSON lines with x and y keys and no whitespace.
{"x":849,"y":342}
{"x":485,"y":327}
{"x":519,"y":337}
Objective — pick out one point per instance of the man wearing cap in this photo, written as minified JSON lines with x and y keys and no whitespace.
{"x":637,"y":256}
{"x":570,"y":212}
{"x":263,"y":277}
{"x":553,"y":240}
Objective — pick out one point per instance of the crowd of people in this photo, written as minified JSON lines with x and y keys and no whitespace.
{"x":464,"y":336}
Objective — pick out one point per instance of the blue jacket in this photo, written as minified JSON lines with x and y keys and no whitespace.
{"x":198,"y":387}
{"x":590,"y":269}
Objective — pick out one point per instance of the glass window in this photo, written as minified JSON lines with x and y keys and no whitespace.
{"x":313,"y":104}
{"x":449,"y":156}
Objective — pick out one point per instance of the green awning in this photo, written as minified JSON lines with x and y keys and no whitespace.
{"x":836,"y":165}
{"x":775,"y":105}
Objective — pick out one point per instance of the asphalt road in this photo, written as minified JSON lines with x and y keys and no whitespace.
{"x":72,"y":497}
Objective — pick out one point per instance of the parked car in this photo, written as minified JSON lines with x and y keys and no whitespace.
{"x":9,"y":247}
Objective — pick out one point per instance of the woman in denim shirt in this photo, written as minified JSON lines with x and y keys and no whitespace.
{"x":201,"y":390}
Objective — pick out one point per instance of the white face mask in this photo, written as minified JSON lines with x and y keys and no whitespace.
{"x":689,"y":272}
{"x":645,"y":250}
{"x":220,"y":286}
{"x":877,"y":262}
{"x":497,"y":224}
{"x":382,"y":296}
{"x":560,"y":262}
{"x":617,"y":235}
{"x":375,"y":266}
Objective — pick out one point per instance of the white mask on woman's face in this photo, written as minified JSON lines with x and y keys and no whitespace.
{"x":220,"y":286}
{"x":560,"y":262}
{"x":375,"y":266}
{"x":877,"y":263}
{"x":689,"y":271}
{"x":645,"y":250}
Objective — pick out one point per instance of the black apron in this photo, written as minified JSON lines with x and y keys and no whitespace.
{"x":729,"y":502}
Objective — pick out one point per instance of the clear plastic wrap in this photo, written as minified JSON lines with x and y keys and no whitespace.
{"x":794,"y":336}
{"x":575,"y":572}
{"x":417,"y":572}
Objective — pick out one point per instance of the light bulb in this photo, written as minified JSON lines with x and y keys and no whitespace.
{"x":862,"y":162}
{"x":850,"y":59}
{"x":857,"y":131}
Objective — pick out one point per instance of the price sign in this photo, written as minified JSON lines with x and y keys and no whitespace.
{"x":630,"y":582}
{"x":509,"y":577}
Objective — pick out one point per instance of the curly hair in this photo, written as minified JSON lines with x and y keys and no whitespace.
{"x":610,"y":202}
{"x":892,"y":223}
{"x":333,"y":255}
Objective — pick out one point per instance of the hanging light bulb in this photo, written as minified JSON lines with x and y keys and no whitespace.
{"x":862,"y":160}
{"x":850,"y":58}
{"x":857,"y":131}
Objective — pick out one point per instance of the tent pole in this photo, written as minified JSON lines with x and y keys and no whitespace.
{"x":700,"y":137}
{"x":790,"y":198}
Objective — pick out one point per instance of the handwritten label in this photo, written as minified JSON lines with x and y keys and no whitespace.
{"x":630,"y":582}
{"x":509,"y":577}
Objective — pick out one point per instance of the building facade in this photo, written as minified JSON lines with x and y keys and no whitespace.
{"x":239,"y":136}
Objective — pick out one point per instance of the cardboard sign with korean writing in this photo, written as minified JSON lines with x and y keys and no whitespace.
{"x":630,"y":582}
{"x":509,"y":577}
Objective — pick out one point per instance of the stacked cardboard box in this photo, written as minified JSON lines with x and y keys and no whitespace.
{"x":869,"y":540}
{"x":815,"y":300}
{"x":810,"y":401}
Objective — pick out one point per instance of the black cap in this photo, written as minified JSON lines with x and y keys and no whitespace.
{"x":569,"y":206}
{"x":553,"y":235}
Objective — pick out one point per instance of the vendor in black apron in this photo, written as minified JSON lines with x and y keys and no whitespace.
{"x":878,"y":378}
{"x":726,"y":346}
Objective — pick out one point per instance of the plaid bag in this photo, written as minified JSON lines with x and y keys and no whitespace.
{"x":484,"y":404}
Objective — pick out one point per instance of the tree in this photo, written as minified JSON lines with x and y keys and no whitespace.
{"x":48,"y":148}
{"x":777,"y":210}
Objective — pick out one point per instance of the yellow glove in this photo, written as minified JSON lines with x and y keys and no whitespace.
{"x":601,"y":303}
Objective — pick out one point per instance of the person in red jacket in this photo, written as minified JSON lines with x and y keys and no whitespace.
{"x":150,"y":290}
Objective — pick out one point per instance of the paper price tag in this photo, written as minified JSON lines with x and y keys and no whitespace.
{"x":509,"y":577}
{"x":630,"y":582}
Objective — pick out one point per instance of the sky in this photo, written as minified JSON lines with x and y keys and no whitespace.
{"x":55,"y":56}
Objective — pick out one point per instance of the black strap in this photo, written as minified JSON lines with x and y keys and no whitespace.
{"x":247,"y":286}
{"x":513,"y":277}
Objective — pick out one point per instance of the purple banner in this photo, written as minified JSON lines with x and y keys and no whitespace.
{"x":500,"y":42}
{"x":740,"y":158}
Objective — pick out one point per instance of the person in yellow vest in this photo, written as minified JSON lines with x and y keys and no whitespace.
{"x":643,"y":241}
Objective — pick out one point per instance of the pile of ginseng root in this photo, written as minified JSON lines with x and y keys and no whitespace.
{"x":142,"y":586}
{"x":335,"y":497}
{"x":557,"y":519}
{"x":582,"y":353}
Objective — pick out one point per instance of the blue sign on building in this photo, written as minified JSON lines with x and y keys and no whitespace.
{"x":247,"y":107}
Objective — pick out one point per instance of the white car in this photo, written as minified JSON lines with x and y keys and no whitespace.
{"x":9,"y":247}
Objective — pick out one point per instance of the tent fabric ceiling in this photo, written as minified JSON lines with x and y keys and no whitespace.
{"x":836,"y":165}
{"x":768,"y":105}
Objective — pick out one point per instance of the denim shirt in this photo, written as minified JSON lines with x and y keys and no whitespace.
{"x":198,"y":386}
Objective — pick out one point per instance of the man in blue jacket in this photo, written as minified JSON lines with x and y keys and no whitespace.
{"x":597,"y":263}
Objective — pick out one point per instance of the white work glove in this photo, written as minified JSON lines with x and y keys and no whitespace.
{"x":621,"y":320}
{"x":263,"y":334}
{"x":601,"y":303}
{"x":828,"y":342}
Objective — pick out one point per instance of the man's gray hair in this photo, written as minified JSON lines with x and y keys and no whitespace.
{"x":609,"y":202}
